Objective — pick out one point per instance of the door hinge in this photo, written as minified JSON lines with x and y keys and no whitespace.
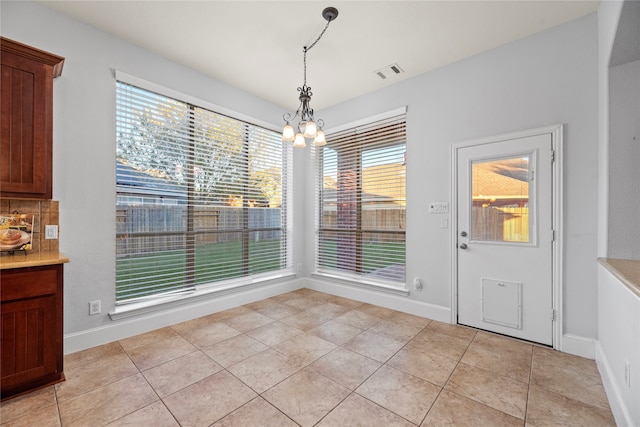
{"x":553,"y":235}
{"x":553,"y":156}
{"x":532,"y":175}
{"x":553,"y":314}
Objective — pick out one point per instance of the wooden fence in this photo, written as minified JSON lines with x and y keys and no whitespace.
{"x":144,"y":229}
{"x":500,"y":224}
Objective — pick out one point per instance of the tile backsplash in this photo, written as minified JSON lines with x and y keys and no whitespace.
{"x":45,"y":212}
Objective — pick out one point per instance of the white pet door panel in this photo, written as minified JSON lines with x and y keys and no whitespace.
{"x":502,"y":303}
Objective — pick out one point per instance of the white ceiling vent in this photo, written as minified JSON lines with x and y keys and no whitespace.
{"x":389,"y":71}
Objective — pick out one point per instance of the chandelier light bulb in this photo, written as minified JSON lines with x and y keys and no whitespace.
{"x":299,"y":142}
{"x":310,"y":130}
{"x":288,"y":134}
{"x":320,"y":138}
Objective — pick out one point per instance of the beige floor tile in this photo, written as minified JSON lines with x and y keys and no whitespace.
{"x":234,"y":350}
{"x":503,"y":356}
{"x":260,"y":304}
{"x":102,"y":371}
{"x":428,"y":366}
{"x":304,"y":302}
{"x":180,"y":373}
{"x":305,"y":348}
{"x":395,"y":330}
{"x":258,"y":412}
{"x":374,"y":346}
{"x":345,"y":367}
{"x":306,"y":396}
{"x":549,"y":409}
{"x":273,"y":333}
{"x":283,"y":297}
{"x":568,"y":375}
{"x":457,"y":331}
{"x":154,"y":415}
{"x":305,"y":320}
{"x":501,"y":393}
{"x":202,"y":333}
{"x":90,"y":355}
{"x":230,"y":313}
{"x":44,"y":417}
{"x":163,"y":350}
{"x":108,"y":403}
{"x":25,"y":404}
{"x":358,"y":319}
{"x":248,"y":321}
{"x":345,"y":302}
{"x":278,"y":311}
{"x":265,"y":369}
{"x":375,"y":310}
{"x":208,"y":400}
{"x":401,"y":393}
{"x":329,"y":309}
{"x":431,"y":341}
{"x":141,"y":340}
{"x":452,"y":409}
{"x":355,"y":410}
{"x":335,"y":332}
{"x":409,"y":319}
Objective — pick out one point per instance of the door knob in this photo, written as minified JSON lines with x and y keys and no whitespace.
{"x":463,"y":233}
{"x":463,"y":246}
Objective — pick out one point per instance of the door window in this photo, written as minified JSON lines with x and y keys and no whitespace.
{"x":501,"y":199}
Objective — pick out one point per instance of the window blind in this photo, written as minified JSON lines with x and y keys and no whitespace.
{"x":361,"y":188}
{"x":201,"y":197}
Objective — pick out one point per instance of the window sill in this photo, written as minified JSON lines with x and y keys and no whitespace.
{"x":201,"y":293}
{"x":363,"y":282}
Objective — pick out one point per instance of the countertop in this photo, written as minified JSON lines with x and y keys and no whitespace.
{"x":627,"y":270}
{"x":32,"y":259}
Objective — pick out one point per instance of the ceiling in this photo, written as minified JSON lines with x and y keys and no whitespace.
{"x":257,"y":45}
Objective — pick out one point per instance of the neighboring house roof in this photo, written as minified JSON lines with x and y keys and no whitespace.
{"x":132,"y":180}
{"x":505,"y":179}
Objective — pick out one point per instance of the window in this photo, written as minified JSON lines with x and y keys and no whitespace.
{"x":362,"y":201}
{"x":201,"y":197}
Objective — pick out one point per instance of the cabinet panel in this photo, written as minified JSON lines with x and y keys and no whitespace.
{"x":31,"y":328}
{"x":26,"y":114}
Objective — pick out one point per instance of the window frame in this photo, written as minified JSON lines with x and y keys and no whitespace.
{"x":355,"y":277}
{"x":193,"y":289}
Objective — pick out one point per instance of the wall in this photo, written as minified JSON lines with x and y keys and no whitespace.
{"x":624,"y":161}
{"x":84,"y":146}
{"x":545,"y":79}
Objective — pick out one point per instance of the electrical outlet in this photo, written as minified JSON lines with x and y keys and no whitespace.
{"x":94,"y":308}
{"x":50,"y":232}
{"x":417,"y":284}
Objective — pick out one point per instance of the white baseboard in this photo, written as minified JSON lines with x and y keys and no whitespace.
{"x":617,"y":404}
{"x":578,"y":346}
{"x":383,"y":299}
{"x":130,"y":326}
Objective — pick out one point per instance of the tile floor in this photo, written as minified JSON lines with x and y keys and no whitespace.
{"x":308,"y":358}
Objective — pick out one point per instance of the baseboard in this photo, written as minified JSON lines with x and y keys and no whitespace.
{"x":383,"y":299}
{"x":618,"y":407}
{"x":578,"y":346}
{"x":128,"y":327}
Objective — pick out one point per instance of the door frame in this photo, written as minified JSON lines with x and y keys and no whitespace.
{"x":556,"y":132}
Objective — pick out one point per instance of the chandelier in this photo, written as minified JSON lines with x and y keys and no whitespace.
{"x":308,"y":127}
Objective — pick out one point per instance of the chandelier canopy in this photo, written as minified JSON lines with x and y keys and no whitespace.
{"x":308,"y":127}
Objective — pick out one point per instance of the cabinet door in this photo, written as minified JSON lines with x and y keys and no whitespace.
{"x":26,"y":115}
{"x":28,"y":331}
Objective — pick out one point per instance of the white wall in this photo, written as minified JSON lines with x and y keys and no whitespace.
{"x":624,"y":161}
{"x":545,"y":79}
{"x":84,"y":140}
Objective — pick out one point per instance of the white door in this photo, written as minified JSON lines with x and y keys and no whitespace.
{"x":505,"y":237}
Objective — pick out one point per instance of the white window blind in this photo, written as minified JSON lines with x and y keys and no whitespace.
{"x":361,"y":191}
{"x":201,"y":197}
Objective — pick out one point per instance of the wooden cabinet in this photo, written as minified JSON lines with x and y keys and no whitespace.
{"x":26,"y":115}
{"x":31,"y":328}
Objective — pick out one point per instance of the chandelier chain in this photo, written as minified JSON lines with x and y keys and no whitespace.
{"x":308,"y":48}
